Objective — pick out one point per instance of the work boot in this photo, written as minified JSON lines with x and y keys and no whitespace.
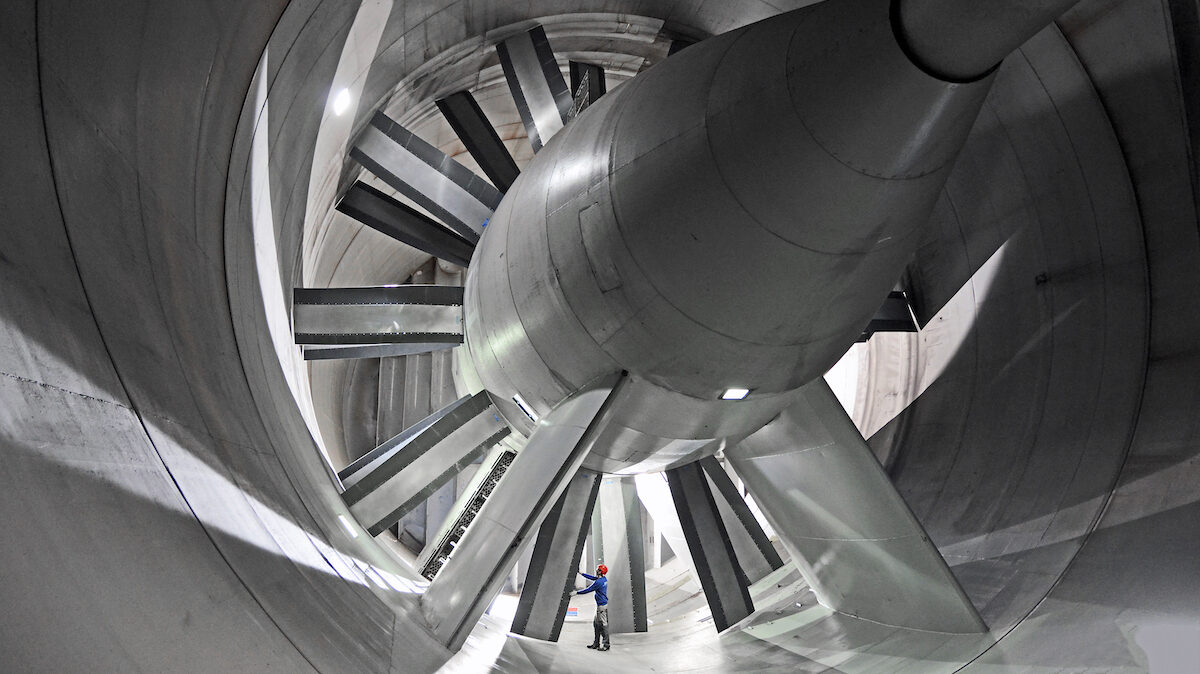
{"x":594,"y":646}
{"x":602,"y":648}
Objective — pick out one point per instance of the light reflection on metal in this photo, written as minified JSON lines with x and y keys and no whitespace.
{"x":581,"y":99}
{"x":525,"y":407}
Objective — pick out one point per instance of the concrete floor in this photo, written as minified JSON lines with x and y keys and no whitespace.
{"x":685,"y":643}
{"x":789,"y":632}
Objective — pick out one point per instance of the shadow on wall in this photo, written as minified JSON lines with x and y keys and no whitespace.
{"x":1008,"y":458}
{"x":142,"y":484}
{"x":153,"y":595}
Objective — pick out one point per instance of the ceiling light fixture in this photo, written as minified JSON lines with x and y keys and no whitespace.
{"x":735,"y":394}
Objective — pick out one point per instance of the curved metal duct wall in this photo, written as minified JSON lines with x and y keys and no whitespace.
{"x":1009,"y":455}
{"x":153,"y":511}
{"x":1049,"y":450}
{"x":166,"y":509}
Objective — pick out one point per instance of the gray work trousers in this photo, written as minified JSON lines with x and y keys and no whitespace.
{"x":600,"y":626}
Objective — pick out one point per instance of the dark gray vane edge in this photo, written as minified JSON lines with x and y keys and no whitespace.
{"x":737,"y":504}
{"x":394,"y":516}
{"x":637,"y":558}
{"x":362,"y":338}
{"x":514,"y":86}
{"x":690,"y":492}
{"x":465,"y":116}
{"x":550,"y":70}
{"x":436,"y":295}
{"x":440,"y":161}
{"x":422,"y":442}
{"x":355,"y":351}
{"x":405,"y":224}
{"x":402,"y":437}
{"x":400,"y":185}
{"x":587,"y":86}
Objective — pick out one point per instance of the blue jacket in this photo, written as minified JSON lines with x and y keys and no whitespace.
{"x":599,"y":586}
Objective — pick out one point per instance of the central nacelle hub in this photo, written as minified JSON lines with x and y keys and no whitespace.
{"x":730,"y":218}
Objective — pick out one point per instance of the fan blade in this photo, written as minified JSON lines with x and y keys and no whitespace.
{"x":351,"y":351}
{"x":655,"y":495}
{"x":479,"y":136}
{"x":421,"y":172}
{"x":397,"y":475}
{"x":536,"y":83}
{"x":404,"y":224}
{"x":554,"y":565}
{"x":410,"y":314}
{"x":949,"y":329}
{"x":725,"y":584}
{"x":755,"y":553}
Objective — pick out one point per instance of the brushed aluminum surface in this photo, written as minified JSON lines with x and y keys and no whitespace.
{"x":365,"y":320}
{"x":536,"y":83}
{"x":850,"y":533}
{"x":432,"y":189}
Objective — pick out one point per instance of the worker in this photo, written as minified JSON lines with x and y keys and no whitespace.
{"x":600,"y":622}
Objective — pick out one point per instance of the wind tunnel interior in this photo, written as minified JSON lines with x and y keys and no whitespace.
{"x":168,"y":504}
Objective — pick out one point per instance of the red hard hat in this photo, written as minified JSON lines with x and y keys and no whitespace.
{"x":602,"y":569}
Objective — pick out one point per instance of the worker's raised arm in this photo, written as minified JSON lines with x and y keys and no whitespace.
{"x":588,"y":576}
